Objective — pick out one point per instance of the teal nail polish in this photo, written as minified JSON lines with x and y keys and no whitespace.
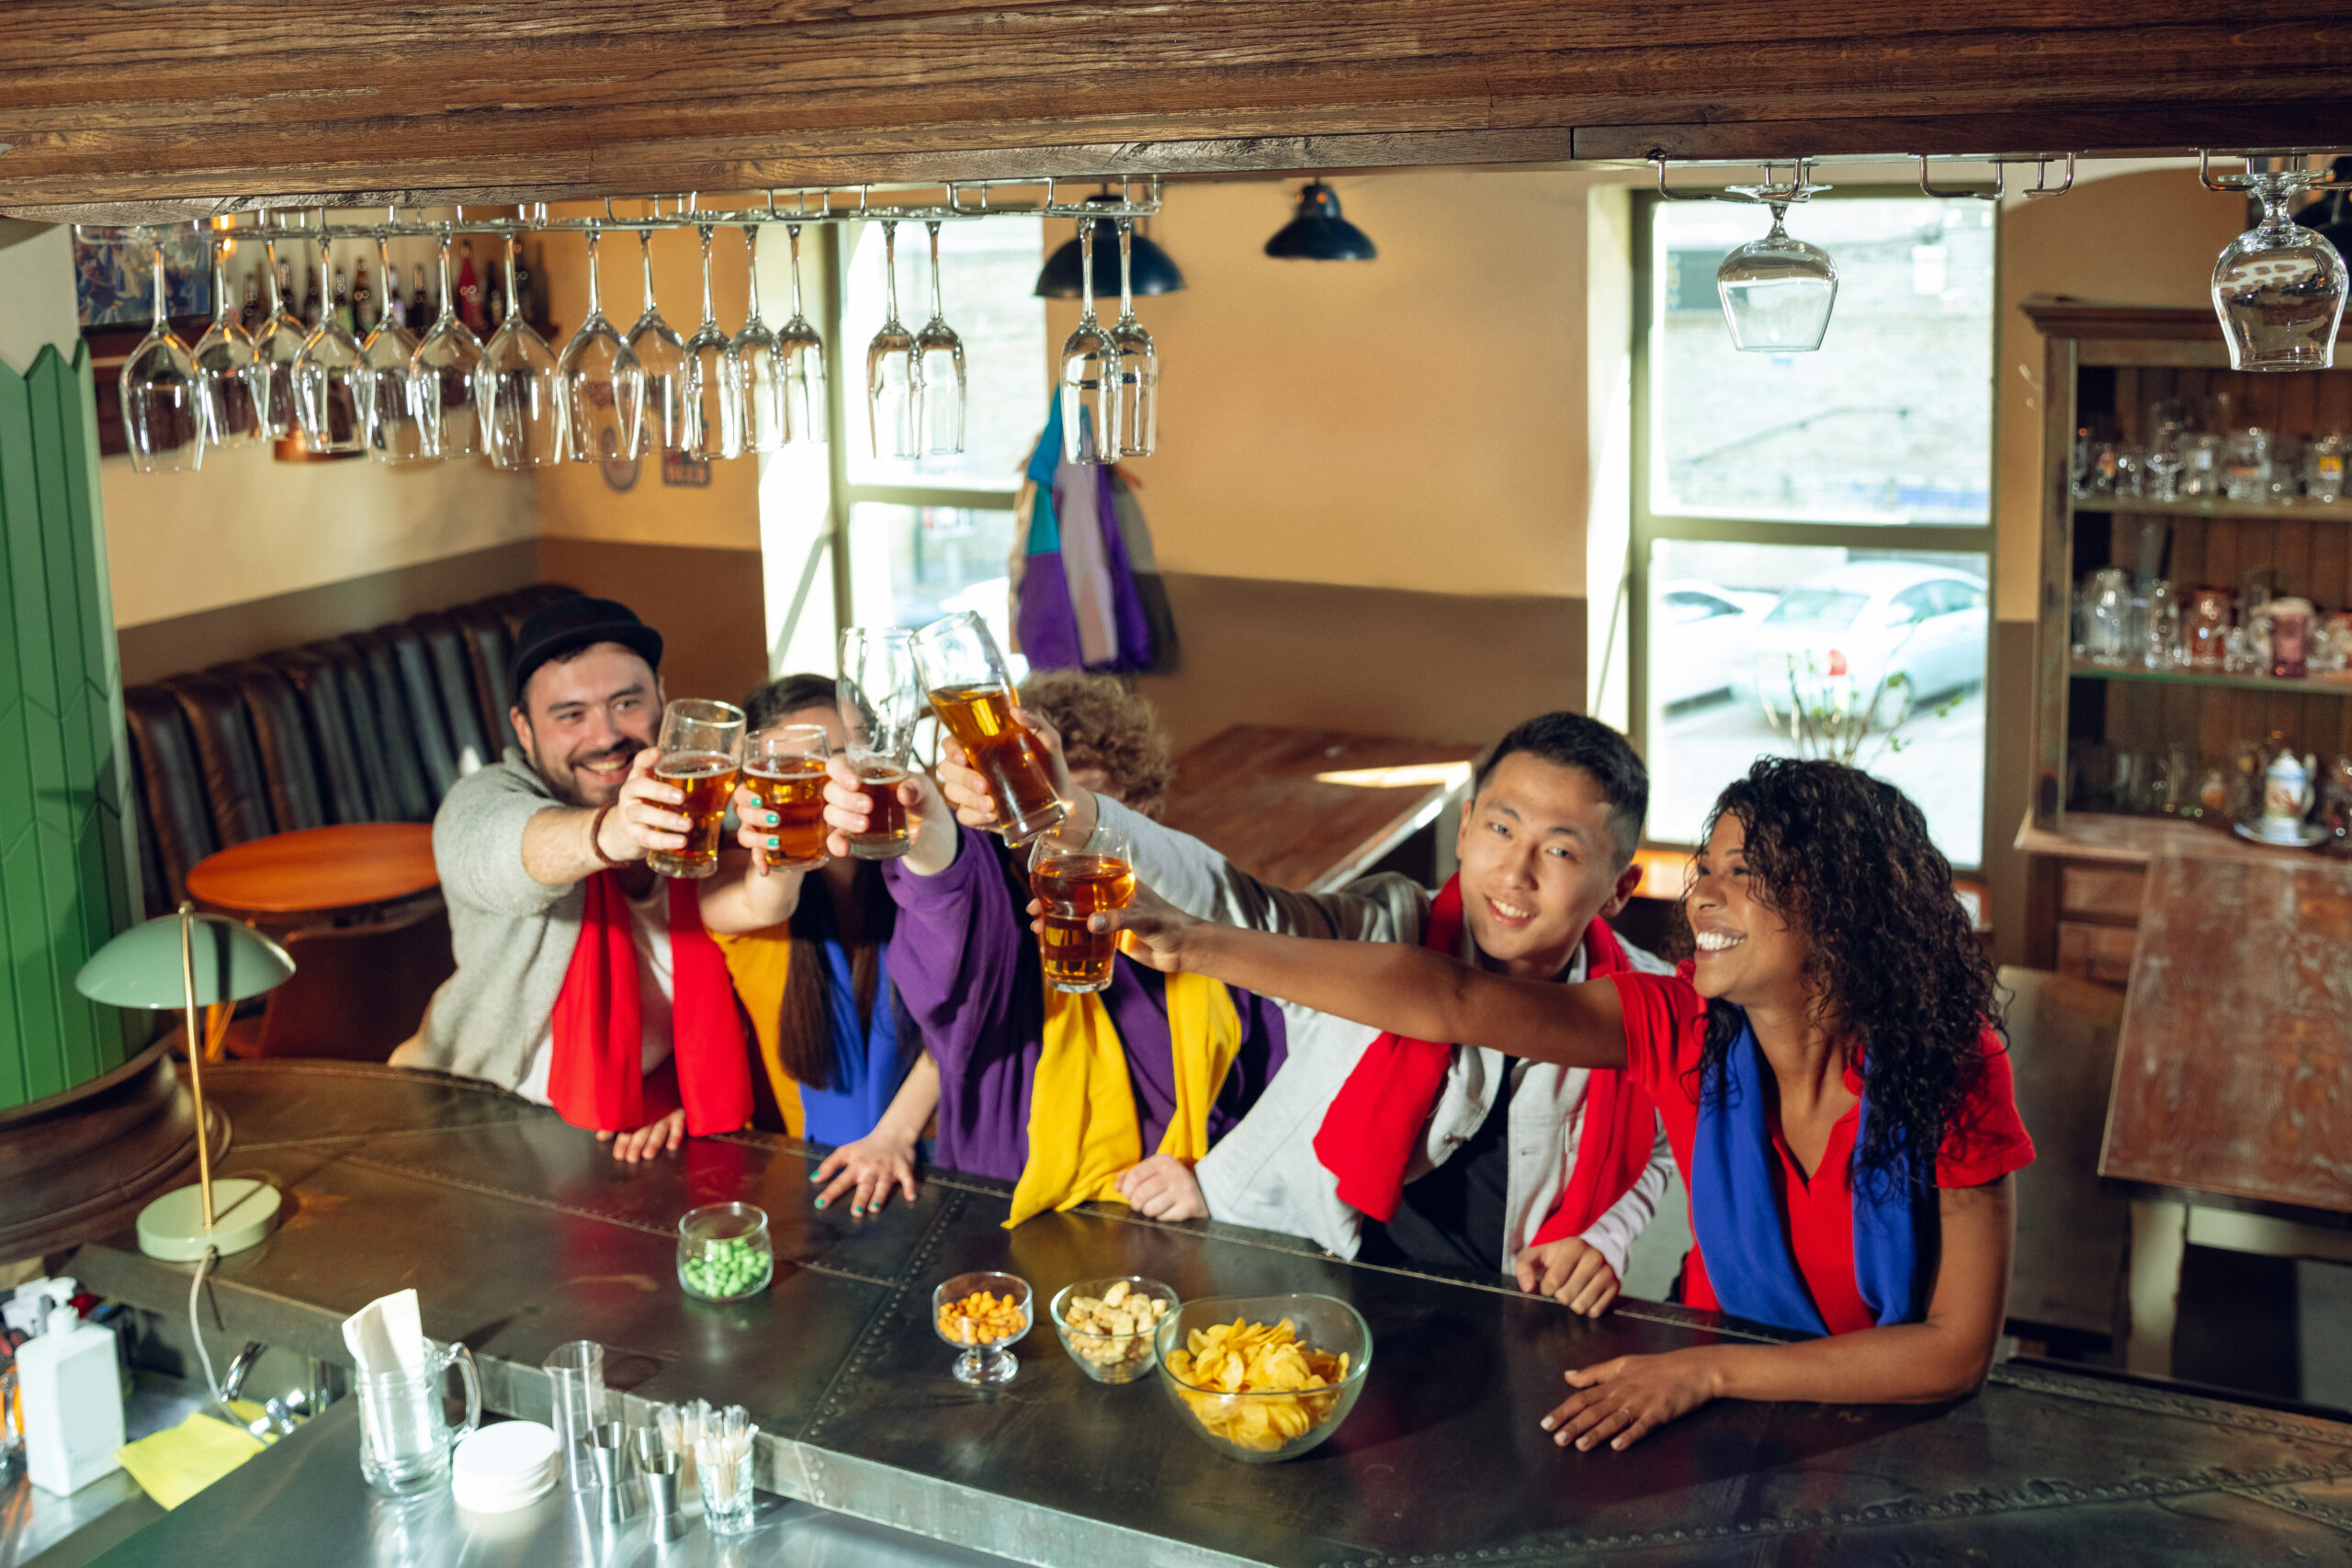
{"x":857,"y":1208}
{"x":776,"y":843}
{"x":820,"y":1202}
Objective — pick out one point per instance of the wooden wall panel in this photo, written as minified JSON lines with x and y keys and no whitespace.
{"x":209,"y":103}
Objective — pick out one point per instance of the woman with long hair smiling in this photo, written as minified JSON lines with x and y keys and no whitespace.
{"x":1828,"y":1069}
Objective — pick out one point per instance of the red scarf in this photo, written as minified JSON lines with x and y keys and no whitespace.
{"x":1374,"y":1123}
{"x":596,"y":1077}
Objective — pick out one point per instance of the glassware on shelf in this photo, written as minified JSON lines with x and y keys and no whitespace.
{"x":2278,"y":288}
{"x":756,"y":365}
{"x":942,"y":356}
{"x":2160,"y":627}
{"x":2288,"y":624}
{"x":2130,"y":470}
{"x":1089,"y":373}
{"x":444,"y":369}
{"x":520,"y":388}
{"x":399,"y":409}
{"x":2245,"y":465}
{"x":224,"y":366}
{"x":894,"y":387}
{"x":2323,"y":467}
{"x":2106,"y":628}
{"x":802,"y":348}
{"x":713,"y":429}
{"x":328,"y":378}
{"x":158,"y":387}
{"x":604,"y":386}
{"x":661,"y":361}
{"x":2334,"y":814}
{"x":2286,"y":468}
{"x":2200,"y":465}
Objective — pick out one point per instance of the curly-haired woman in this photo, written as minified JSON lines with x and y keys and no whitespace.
{"x":1833,"y":1029}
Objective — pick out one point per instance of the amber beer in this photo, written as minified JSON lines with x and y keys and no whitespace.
{"x":886,"y":837}
{"x":794,"y":789}
{"x":707,"y":778}
{"x":1071,"y":887}
{"x":1009,"y":757}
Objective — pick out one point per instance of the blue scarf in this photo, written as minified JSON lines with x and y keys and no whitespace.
{"x":1738,"y":1225}
{"x":867,"y":1066}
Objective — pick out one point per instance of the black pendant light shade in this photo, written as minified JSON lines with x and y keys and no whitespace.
{"x":1154,"y":271}
{"x":1318,"y":232}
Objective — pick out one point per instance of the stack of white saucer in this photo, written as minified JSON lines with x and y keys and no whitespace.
{"x":504,"y":1467}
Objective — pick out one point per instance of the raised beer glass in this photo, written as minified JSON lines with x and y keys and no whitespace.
{"x":784,"y":765}
{"x":699,"y":752}
{"x":881,"y":702}
{"x":1075,"y":875}
{"x":969,"y":689}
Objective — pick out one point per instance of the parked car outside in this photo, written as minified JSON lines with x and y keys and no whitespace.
{"x":1869,"y":620}
{"x":1698,"y":640}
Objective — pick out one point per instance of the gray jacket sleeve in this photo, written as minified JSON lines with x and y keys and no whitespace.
{"x":478,"y":841}
{"x":1203,"y":882}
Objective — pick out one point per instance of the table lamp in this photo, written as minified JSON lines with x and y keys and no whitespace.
{"x":188,"y":961}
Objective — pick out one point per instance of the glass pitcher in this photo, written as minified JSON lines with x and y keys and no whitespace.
{"x":404,"y":1432}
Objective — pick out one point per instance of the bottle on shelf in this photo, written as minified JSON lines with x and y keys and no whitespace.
{"x":340,"y":303}
{"x":313,"y":303}
{"x":364,"y":314}
{"x":421,"y":308}
{"x":249,"y":315}
{"x":526,"y":290}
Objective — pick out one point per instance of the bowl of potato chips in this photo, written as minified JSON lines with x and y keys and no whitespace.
{"x":1264,"y":1377}
{"x":1111,"y":1328}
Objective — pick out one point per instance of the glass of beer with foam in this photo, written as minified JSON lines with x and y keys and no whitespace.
{"x":1075,"y":875}
{"x":881,"y":703}
{"x":784,"y":765}
{"x":972,"y":693}
{"x":699,"y":753}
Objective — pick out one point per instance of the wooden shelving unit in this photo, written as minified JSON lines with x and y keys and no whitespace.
{"x":2110,"y":363}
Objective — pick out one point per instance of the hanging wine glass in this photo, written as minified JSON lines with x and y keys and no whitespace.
{"x":755,"y":367}
{"x":328,"y":378}
{"x":941,"y":354}
{"x":661,"y":359}
{"x":224,"y":366}
{"x":1090,"y":372}
{"x":401,"y":409}
{"x":713,"y":428}
{"x":803,"y":352}
{"x":893,"y":369}
{"x":158,"y":387}
{"x":1777,"y":292}
{"x":604,"y":387}
{"x":444,"y":369}
{"x":277,"y":342}
{"x":520,"y":388}
{"x":1138,"y":361}
{"x":2278,"y":288}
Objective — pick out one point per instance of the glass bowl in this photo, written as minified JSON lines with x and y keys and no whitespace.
{"x":1110,"y":1358}
{"x":984,"y":1361}
{"x":1263,"y":1427}
{"x":724,"y":1253}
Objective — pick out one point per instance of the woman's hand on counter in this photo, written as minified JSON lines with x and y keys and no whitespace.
{"x":653,"y":1138}
{"x":1621,"y":1401}
{"x":1164,"y":1187}
{"x":869,"y":1169}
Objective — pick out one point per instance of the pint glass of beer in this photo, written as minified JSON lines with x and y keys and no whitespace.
{"x":784,"y":766}
{"x":700,"y":749}
{"x":881,"y":702}
{"x":1074,"y":877}
{"x":965,"y":676}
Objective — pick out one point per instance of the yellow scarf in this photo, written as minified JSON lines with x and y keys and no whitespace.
{"x":1082,"y":1126}
{"x":759,"y":963}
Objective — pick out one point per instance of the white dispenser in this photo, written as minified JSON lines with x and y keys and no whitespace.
{"x":72,"y":1402}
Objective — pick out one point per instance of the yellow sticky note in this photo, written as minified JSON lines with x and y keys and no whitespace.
{"x":177,"y":1463}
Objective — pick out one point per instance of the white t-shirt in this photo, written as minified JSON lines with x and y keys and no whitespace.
{"x":649,"y":926}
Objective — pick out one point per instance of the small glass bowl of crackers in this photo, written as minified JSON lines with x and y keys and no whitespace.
{"x":981,"y":1313}
{"x":1111,"y":1328}
{"x":1264,"y":1377}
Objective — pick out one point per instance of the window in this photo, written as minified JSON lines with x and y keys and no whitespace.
{"x":1814,"y":527}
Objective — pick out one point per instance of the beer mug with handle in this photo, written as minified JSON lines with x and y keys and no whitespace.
{"x":881,"y":702}
{"x":969,"y":689}
{"x":404,"y":1432}
{"x":701,"y":751}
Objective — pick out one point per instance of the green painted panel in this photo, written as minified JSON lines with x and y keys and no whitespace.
{"x":96,"y":609}
{"x":19,"y":533}
{"x":16,"y":800}
{"x":12,"y":1059}
{"x":81,"y":748}
{"x":39,"y":1030}
{"x":48,"y":388}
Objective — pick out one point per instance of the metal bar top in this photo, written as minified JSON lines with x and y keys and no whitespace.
{"x":520,"y":1233}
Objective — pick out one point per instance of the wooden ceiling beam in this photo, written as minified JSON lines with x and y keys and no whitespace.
{"x":201,"y":106}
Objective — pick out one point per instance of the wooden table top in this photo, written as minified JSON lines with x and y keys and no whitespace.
{"x":317,"y":869}
{"x":1312,"y":808}
{"x":2235,"y":1072}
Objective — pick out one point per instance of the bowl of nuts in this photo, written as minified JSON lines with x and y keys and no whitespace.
{"x":981,"y":1313}
{"x":1109,"y":1327}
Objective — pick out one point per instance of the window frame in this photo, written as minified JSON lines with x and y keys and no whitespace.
{"x":1648,"y":526}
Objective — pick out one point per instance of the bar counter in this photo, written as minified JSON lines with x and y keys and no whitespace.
{"x":520,"y":1233}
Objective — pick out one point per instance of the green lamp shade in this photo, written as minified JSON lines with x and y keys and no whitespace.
{"x":140,"y":968}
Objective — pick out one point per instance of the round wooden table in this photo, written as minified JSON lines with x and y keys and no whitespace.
{"x":319,"y":871}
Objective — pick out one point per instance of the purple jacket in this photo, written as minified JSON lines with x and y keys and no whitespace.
{"x":966,"y":966}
